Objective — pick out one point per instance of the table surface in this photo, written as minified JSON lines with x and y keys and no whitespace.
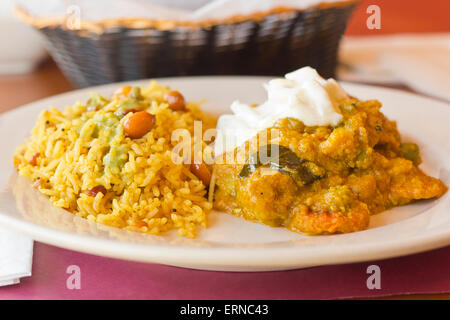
{"x":47,"y":80}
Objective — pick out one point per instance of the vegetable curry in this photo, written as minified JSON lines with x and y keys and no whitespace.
{"x":324,"y":179}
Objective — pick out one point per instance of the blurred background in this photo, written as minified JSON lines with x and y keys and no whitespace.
{"x":54,"y":46}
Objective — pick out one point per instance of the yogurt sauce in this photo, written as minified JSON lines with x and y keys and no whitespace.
{"x":302,"y":94}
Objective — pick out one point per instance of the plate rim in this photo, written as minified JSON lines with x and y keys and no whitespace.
{"x":253,"y":260}
{"x":231,"y":77}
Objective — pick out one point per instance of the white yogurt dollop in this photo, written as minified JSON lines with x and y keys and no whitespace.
{"x":302,"y":94}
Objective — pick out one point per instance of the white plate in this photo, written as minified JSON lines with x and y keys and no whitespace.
{"x":230,"y":243}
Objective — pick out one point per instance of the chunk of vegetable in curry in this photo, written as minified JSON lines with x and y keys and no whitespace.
{"x":410,"y":151}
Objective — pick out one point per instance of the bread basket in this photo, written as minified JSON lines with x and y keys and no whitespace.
{"x":264,"y":43}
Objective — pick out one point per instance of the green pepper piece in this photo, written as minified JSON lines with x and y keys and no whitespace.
{"x":410,"y":151}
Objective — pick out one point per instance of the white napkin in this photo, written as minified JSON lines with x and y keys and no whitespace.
{"x":421,"y":62}
{"x":160,"y":9}
{"x":16,"y":255}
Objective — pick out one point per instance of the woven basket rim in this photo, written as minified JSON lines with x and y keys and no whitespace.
{"x":143,"y":23}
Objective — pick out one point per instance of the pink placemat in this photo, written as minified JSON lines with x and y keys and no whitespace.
{"x":105,"y":278}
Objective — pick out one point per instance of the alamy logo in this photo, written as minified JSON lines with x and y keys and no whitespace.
{"x":374,"y":20}
{"x":73,"y":17}
{"x":73,"y":282}
{"x":374,"y":280}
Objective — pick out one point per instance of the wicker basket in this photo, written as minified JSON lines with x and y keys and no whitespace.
{"x":273,"y":44}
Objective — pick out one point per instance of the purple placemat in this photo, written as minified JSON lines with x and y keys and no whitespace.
{"x":105,"y":278}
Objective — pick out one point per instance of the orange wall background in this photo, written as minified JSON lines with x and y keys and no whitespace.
{"x":402,"y":16}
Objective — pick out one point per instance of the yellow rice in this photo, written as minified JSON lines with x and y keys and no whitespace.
{"x":146,"y":192}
